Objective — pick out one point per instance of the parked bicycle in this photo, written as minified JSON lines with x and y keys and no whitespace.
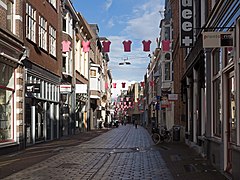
{"x":160,"y":135}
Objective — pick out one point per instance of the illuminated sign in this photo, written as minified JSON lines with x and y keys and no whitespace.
{"x":186,"y":23}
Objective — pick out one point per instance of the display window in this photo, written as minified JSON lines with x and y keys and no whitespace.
{"x":6,"y":102}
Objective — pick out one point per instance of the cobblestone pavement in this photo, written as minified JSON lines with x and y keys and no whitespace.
{"x":121,"y":153}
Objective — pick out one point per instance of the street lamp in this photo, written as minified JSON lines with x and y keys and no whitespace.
{"x":125,"y":62}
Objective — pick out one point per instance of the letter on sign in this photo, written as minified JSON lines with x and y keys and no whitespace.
{"x":186,"y":23}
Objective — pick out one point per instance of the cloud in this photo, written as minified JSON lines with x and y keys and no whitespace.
{"x":107,"y":4}
{"x":110,"y":23}
{"x":145,"y":21}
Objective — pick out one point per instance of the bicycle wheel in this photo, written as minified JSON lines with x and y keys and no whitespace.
{"x":156,"y":138}
{"x":168,"y":137}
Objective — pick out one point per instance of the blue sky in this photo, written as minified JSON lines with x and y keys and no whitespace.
{"x":120,"y":20}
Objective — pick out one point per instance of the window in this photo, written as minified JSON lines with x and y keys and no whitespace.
{"x":216,"y":84}
{"x":6,"y":102}
{"x":67,"y":63}
{"x":93,"y":73}
{"x":68,"y":24}
{"x":10,"y":16}
{"x":30,"y":23}
{"x":229,"y":54}
{"x":167,"y":33}
{"x":167,"y":71}
{"x":217,"y":111}
{"x":217,"y":61}
{"x":42,"y":33}
{"x":167,"y":56}
{"x":64,"y":25}
{"x":53,"y":3}
{"x":52,"y":41}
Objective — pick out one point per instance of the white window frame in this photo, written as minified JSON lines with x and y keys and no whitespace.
{"x":69,"y":24}
{"x":10,"y":14}
{"x":53,"y":3}
{"x":30,"y":23}
{"x":52,"y":41}
{"x":68,"y":56}
{"x":170,"y":70}
{"x":42,"y":33}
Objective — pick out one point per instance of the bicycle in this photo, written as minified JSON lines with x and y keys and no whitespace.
{"x":161,"y":135}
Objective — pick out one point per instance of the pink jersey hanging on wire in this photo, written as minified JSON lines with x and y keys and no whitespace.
{"x":165,"y":45}
{"x":146,"y":45}
{"x":127,"y":45}
{"x":66,"y":46}
{"x":106,"y":46}
{"x":123,"y":84}
{"x":86,"y":46}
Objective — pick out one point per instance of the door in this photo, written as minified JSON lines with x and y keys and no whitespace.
{"x":231,"y":120}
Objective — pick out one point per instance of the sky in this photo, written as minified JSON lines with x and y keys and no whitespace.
{"x":120,"y":20}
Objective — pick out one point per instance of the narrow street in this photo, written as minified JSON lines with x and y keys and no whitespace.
{"x":120,"y":153}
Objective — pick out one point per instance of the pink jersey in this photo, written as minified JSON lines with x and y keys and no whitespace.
{"x":165,"y":45}
{"x":66,"y":46}
{"x":106,"y":46}
{"x":86,"y":46}
{"x":127,"y":45}
{"x":146,"y":45}
{"x":114,"y":85}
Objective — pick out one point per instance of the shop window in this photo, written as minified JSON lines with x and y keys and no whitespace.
{"x":6,"y":102}
{"x":6,"y":123}
{"x":217,"y":108}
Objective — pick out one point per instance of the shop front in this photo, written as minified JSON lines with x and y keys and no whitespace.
{"x":41,"y":107}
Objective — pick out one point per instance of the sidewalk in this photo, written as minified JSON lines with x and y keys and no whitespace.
{"x":12,"y":163}
{"x":186,"y":164}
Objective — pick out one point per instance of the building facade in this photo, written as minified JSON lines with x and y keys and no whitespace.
{"x":12,"y":52}
{"x":210,"y":83}
{"x":42,"y":21}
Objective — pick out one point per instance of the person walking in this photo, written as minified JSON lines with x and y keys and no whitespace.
{"x":136,"y":124}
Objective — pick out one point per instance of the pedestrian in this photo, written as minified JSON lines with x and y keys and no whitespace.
{"x":136,"y":124}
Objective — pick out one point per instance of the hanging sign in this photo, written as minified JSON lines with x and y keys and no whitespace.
{"x":67,"y":88}
{"x":186,"y":23}
{"x":33,"y":88}
{"x":172,"y":97}
{"x":217,"y":39}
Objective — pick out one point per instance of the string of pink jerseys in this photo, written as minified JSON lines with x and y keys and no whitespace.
{"x":66,"y":45}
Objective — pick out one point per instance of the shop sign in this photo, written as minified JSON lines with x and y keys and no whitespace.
{"x":172,"y":97}
{"x":186,"y":23}
{"x":217,"y":39}
{"x":65,"y":88}
{"x":81,"y":88}
{"x":33,"y":88}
